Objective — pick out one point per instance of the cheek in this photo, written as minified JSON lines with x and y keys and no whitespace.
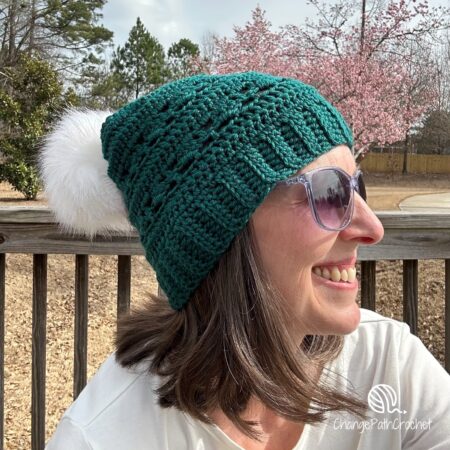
{"x":289,"y":242}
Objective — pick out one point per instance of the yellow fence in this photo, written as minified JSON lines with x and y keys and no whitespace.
{"x":393,"y":162}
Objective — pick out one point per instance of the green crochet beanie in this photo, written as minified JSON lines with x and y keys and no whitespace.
{"x":195,"y":158}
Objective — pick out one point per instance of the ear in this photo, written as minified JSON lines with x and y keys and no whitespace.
{"x":74,"y":173}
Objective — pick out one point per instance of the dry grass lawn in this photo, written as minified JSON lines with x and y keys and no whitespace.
{"x":384,"y":193}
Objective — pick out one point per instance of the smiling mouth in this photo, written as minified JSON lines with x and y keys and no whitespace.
{"x":344,"y":275}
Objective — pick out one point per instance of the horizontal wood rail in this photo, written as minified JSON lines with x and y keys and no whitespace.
{"x":408,"y":237}
{"x":33,"y":230}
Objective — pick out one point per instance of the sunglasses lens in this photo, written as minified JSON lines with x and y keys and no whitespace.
{"x":332,"y":194}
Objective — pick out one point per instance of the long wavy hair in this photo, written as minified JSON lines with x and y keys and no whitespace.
{"x":230,"y":343}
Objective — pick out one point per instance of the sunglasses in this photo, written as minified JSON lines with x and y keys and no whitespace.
{"x":330,"y":193}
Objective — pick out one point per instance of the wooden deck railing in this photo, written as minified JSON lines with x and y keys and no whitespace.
{"x":408,"y":237}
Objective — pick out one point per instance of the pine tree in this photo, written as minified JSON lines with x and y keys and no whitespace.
{"x":55,"y":30}
{"x":140,"y":64}
{"x":180,"y":57}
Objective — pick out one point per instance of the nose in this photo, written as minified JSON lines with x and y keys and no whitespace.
{"x":365,"y":227}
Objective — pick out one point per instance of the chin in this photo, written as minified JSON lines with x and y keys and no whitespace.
{"x":338,"y":321}
{"x":347,"y":321}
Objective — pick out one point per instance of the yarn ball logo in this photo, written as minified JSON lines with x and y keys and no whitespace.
{"x":383,"y":399}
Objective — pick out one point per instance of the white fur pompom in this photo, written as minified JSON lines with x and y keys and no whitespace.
{"x":79,"y":191}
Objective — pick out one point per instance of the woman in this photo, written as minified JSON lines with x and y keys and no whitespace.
{"x":250,"y":208}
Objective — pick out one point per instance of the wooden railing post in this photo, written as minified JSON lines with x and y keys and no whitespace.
{"x":410,"y":293}
{"x":368,"y":284}
{"x":2,"y":346}
{"x":123,"y":284}
{"x":38,"y":352}
{"x":81,"y":323}
{"x":447,"y":315}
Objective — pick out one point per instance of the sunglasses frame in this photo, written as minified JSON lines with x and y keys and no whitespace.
{"x":306,"y":180}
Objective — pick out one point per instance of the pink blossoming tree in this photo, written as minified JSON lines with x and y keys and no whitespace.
{"x":369,"y":64}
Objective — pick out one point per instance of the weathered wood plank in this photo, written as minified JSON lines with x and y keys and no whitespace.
{"x":38,"y":238}
{"x":409,"y":244}
{"x":2,"y":346}
{"x":46,"y":238}
{"x":81,"y":323}
{"x":390,"y":219}
{"x":368,"y":284}
{"x":26,"y":214}
{"x":410,"y":294}
{"x":123,"y":284}
{"x":407,"y":236}
{"x":417,"y":220}
{"x":39,"y":322}
{"x":447,"y":315}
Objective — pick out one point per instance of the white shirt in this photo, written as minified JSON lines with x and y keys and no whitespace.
{"x":117,"y":410}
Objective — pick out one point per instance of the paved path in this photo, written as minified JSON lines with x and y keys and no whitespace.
{"x":434,"y":202}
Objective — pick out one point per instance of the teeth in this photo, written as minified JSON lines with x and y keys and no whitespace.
{"x":351,"y":274}
{"x":335,"y":274}
{"x":346,"y":275}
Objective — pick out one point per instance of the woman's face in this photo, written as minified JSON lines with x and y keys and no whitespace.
{"x":292,"y":247}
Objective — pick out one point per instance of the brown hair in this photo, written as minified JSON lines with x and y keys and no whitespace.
{"x":231,"y":343}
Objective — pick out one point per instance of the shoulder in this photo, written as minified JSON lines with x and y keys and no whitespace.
{"x":119,"y":409}
{"x":376,"y":345}
{"x":371,"y":318}
{"x":115,"y":393}
{"x":386,"y":334}
{"x":382,"y":348}
{"x":375,"y":325}
{"x":111,"y":387}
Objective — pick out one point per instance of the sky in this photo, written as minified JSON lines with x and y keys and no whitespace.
{"x":171,"y":20}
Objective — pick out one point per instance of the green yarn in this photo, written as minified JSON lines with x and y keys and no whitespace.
{"x":196,"y":157}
